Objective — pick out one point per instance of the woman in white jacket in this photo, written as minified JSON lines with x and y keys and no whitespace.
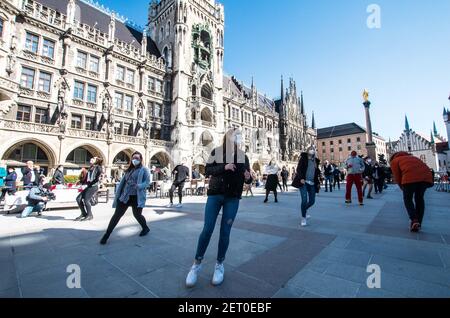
{"x":272,"y":180}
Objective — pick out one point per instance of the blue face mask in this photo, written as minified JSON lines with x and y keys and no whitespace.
{"x":136,"y":162}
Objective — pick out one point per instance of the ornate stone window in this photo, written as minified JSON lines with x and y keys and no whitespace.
{"x":27,"y":78}
{"x":82,"y":60}
{"x":120,"y":73}
{"x":78,"y":91}
{"x":40,"y":116}
{"x":32,"y":42}
{"x":44,"y":83}
{"x":76,"y":121}
{"x":92,"y":94}
{"x":129,"y":103}
{"x":23,"y":113}
{"x":118,"y":100}
{"x":48,"y":49}
{"x":94,"y":64}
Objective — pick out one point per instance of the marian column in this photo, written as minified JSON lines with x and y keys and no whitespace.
{"x":370,"y":145}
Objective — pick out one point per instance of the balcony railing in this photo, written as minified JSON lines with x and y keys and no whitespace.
{"x":29,"y":127}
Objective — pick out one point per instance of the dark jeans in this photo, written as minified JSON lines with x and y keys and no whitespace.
{"x":285,"y":185}
{"x":308,"y":194}
{"x":229,"y":207}
{"x":328,"y":181}
{"x":84,"y":200}
{"x":180,"y":186}
{"x":337,"y":181}
{"x":120,"y":212}
{"x":414,"y":202}
{"x":379,"y":185}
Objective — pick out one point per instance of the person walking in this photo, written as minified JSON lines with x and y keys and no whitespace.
{"x":328,"y":174}
{"x":272,"y":181}
{"x":181,"y":174}
{"x":10,"y":183}
{"x":248,"y":184}
{"x":336,"y":177}
{"x":229,"y":168}
{"x":58,"y":176}
{"x":307,"y":180}
{"x":284,"y":178}
{"x":90,"y":190}
{"x":378,"y":178}
{"x":414,"y":178}
{"x":355,"y":168}
{"x":368,"y":177}
{"x":132,"y":192}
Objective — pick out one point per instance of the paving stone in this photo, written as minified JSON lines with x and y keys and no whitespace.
{"x":346,"y":256}
{"x":414,"y":254}
{"x":324,"y":285}
{"x":418,"y":271}
{"x":289,"y":293}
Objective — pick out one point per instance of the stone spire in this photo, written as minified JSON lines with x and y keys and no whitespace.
{"x":435,"y":132}
{"x":313,"y":122}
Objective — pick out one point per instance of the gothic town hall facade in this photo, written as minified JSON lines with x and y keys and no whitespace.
{"x":78,"y":81}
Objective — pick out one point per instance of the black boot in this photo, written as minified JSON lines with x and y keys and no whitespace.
{"x":104,"y":239}
{"x":144,"y":232}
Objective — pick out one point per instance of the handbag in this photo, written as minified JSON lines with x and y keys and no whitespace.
{"x":297,"y":182}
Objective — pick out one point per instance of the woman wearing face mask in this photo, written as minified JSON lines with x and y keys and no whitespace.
{"x":229,"y":168}
{"x":131,"y":192}
{"x":307,"y":180}
{"x":90,"y":189}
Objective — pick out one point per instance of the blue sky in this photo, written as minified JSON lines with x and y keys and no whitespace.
{"x":328,"y":48}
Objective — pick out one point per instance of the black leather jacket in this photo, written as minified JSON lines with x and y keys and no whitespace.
{"x":223,"y":182}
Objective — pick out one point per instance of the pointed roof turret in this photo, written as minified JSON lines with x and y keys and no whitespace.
{"x":313,"y":122}
{"x":435,"y":132}
{"x":407,"y":127}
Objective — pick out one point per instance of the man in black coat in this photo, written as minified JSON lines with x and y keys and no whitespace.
{"x":30,"y":176}
{"x":307,"y":180}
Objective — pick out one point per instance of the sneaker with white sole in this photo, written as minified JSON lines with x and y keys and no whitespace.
{"x":179,"y":206}
{"x":191,"y":279}
{"x":308,"y":216}
{"x":303,"y":223}
{"x":219,"y":273}
{"x":170,"y":205}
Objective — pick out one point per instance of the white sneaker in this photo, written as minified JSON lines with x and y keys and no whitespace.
{"x":179,"y":206}
{"x":303,"y":223}
{"x":218,"y":275}
{"x":170,"y":205}
{"x":308,"y":216}
{"x":191,"y":279}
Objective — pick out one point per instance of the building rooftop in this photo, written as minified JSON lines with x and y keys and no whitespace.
{"x":340,"y":130}
{"x":94,"y":15}
{"x":237,"y":89}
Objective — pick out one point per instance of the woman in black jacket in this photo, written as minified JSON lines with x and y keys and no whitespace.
{"x":91,"y":188}
{"x":307,"y":180}
{"x":58,"y":176}
{"x":229,"y":168}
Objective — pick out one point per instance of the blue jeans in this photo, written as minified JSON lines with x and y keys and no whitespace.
{"x":308,"y":194}
{"x":213,"y":206}
{"x":33,"y":208}
{"x":329,"y":181}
